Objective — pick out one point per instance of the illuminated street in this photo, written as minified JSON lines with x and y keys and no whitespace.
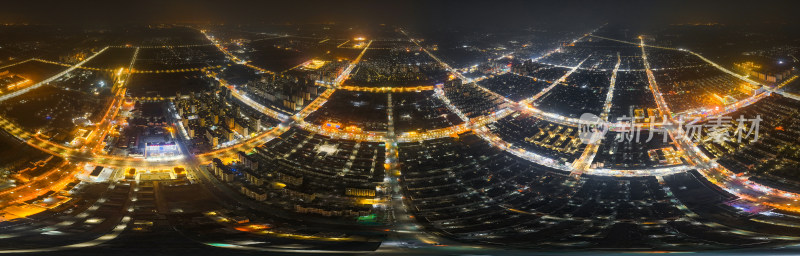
{"x":383,"y":128}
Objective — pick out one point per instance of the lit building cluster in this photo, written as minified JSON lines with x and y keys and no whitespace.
{"x":332,"y":139}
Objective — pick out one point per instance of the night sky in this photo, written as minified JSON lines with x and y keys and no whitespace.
{"x":411,"y":13}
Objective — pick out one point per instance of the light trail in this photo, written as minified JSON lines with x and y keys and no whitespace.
{"x":563,"y":78}
{"x":119,"y":161}
{"x":714,"y":172}
{"x":255,"y":105}
{"x":610,"y":94}
{"x":498,"y":142}
{"x":131,"y":70}
{"x":525,"y":106}
{"x":323,"y":97}
{"x":48,"y":80}
{"x":105,"y":124}
{"x":743,"y":78}
{"x":439,"y":94}
{"x":587,"y":157}
{"x":454,"y":71}
{"x":161,"y":46}
{"x":314,"y":105}
{"x":642,"y":44}
{"x":385,"y":89}
{"x":662,"y":106}
{"x":346,"y":73}
{"x":560,"y":48}
{"x":15,"y":63}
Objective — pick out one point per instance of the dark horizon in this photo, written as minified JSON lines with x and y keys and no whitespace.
{"x":406,"y":13}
